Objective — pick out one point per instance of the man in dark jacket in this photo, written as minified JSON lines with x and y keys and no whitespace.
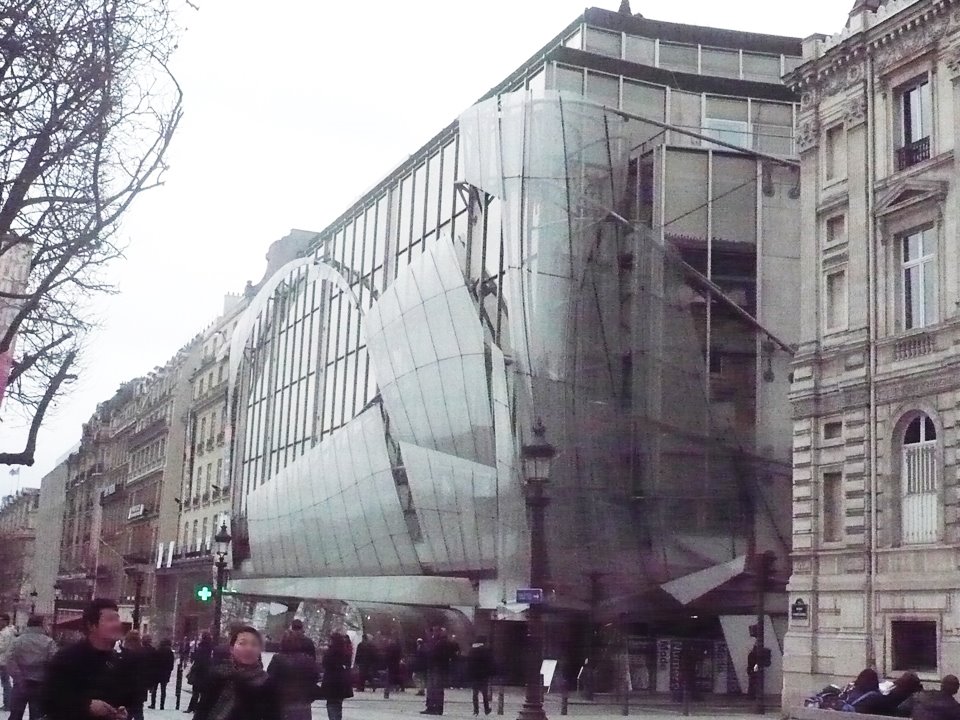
{"x":296,"y":627}
{"x":440,"y":652}
{"x":479,"y":672}
{"x":162,"y":662}
{"x":200,"y":669}
{"x":934,"y":704}
{"x":368,"y":660}
{"x":89,"y":680}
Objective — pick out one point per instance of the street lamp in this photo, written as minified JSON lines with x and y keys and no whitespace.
{"x":56,"y":603}
{"x":33,"y":601}
{"x":222,"y":540}
{"x":536,"y":458}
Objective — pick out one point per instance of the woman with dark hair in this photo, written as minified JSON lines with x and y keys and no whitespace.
{"x":336,"y":686}
{"x":239,"y":688}
{"x":903,"y":688}
{"x":294,"y":675}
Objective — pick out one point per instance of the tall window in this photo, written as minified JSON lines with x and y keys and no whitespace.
{"x":835,"y":153}
{"x":918,"y":478}
{"x":196,"y":536}
{"x":836,"y":300}
{"x":916,"y":124}
{"x":203,"y":535}
{"x":919,"y":279}
{"x":186,"y":536}
{"x":832,"y":507}
{"x":206,"y":487}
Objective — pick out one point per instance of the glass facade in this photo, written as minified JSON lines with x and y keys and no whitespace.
{"x":542,"y":258}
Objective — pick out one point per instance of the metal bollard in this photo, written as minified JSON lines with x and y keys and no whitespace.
{"x":500,"y":700}
{"x":564,"y":698}
{"x":625,"y":707}
{"x":179,"y":685}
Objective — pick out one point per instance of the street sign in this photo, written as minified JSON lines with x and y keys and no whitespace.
{"x":799,"y":610}
{"x":204,"y":593}
{"x":530,"y":596}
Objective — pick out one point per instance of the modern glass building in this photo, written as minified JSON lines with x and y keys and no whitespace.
{"x":607,"y":244}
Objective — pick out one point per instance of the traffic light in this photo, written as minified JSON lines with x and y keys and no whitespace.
{"x":203,"y":593}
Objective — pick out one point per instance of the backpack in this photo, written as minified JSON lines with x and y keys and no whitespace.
{"x":823,"y":700}
{"x":847,"y":701}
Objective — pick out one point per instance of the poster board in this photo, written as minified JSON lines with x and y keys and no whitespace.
{"x":548,"y":668}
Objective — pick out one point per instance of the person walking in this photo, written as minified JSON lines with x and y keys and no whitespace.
{"x":479,"y":672}
{"x":239,"y":688}
{"x":393,"y":661}
{"x":367,"y":662}
{"x":420,"y":666}
{"x":309,"y":646}
{"x":336,"y":685}
{"x":30,"y":655}
{"x":89,"y":680}
{"x":933,"y":704}
{"x":162,"y":662}
{"x":140,"y":661}
{"x":440,"y":653}
{"x":7,"y":634}
{"x":294,"y":674}
{"x":199,"y":670}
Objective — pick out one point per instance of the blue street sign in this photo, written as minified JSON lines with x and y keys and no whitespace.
{"x":530,"y":596}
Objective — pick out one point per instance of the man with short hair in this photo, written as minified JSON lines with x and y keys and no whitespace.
{"x":933,"y":704}
{"x":88,"y":680}
{"x":30,"y":655}
{"x":7,"y":634}
{"x":310,"y":647}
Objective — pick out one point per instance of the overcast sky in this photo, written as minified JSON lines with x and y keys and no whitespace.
{"x":293,"y":109}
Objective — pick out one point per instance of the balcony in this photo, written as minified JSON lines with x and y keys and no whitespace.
{"x":913,"y":153}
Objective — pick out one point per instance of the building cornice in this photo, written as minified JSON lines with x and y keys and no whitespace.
{"x":896,"y":32}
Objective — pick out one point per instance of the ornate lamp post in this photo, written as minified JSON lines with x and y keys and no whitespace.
{"x":536,"y":458}
{"x":222,"y":540}
{"x":56,"y":604}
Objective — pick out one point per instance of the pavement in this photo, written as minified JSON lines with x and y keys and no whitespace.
{"x":372,"y":706}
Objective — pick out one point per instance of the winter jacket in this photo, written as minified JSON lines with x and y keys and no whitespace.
{"x":162,"y":661}
{"x":336,"y":683}
{"x":480,"y":663}
{"x":7,"y":636}
{"x":140,"y":664}
{"x":253,"y":701}
{"x":930,"y":705}
{"x":294,"y":676}
{"x":880,"y":704}
{"x":80,"y":673}
{"x":30,"y":654}
{"x":367,"y":655}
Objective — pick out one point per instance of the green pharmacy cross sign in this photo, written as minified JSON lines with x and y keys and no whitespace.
{"x":203,"y":593}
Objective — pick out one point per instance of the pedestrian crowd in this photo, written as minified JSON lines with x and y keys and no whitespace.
{"x":113,"y":673}
{"x":903,"y":697}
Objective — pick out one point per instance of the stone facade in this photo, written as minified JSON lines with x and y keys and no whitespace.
{"x":876,"y":513}
{"x":18,"y":532}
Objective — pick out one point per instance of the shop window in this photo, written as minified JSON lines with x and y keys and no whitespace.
{"x":914,"y":645}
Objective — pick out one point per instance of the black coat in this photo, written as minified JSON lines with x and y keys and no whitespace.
{"x":337,"y":681}
{"x":163,"y":661}
{"x":254,"y":702}
{"x":294,"y":677}
{"x":367,"y":655}
{"x":480,"y":663}
{"x":78,"y":674}
{"x":142,"y":668}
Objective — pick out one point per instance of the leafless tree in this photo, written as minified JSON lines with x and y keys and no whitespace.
{"x":88,"y":107}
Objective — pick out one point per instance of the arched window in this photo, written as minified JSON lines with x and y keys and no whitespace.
{"x":918,"y":480}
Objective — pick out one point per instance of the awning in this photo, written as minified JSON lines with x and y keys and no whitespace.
{"x":690,"y":587}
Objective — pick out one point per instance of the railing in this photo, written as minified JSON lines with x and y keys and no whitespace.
{"x":914,"y":346}
{"x":915,"y":152}
{"x":920,"y":519}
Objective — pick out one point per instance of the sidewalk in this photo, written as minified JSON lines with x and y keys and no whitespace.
{"x":372,"y":706}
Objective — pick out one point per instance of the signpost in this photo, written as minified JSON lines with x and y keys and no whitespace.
{"x":530,"y":596}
